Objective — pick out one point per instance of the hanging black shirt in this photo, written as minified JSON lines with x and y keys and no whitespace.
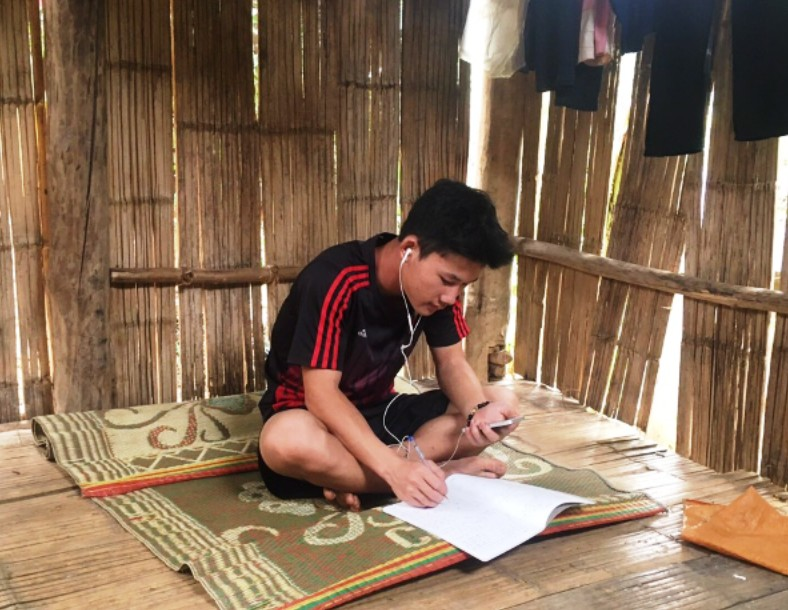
{"x":760,"y":68}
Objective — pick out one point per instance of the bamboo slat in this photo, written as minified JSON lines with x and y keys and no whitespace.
{"x":691,"y":195}
{"x":435,"y":106}
{"x":141,"y":189}
{"x":21,"y":256}
{"x":550,"y":228}
{"x":529,"y":300}
{"x":569,"y":202}
{"x":368,"y":84}
{"x":647,"y":228}
{"x":13,"y":24}
{"x":583,"y":303}
{"x":296,"y":142}
{"x":774,"y":463}
{"x":77,"y":257}
{"x":724,"y":354}
{"x":487,"y":301}
{"x":572,"y":211}
{"x":218,"y":200}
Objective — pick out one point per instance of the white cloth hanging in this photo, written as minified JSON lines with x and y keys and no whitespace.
{"x":493,"y":36}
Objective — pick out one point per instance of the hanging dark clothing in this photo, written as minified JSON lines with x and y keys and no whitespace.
{"x":552,"y":42}
{"x":680,"y":77}
{"x":584,"y":93}
{"x":636,"y":21}
{"x":760,"y":68}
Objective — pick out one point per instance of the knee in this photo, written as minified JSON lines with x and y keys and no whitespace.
{"x":289,"y":442}
{"x":496,"y":393}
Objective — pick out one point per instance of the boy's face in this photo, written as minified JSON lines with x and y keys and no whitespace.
{"x":435,"y":281}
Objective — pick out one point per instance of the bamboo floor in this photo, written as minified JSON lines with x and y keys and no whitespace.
{"x":58,"y":550}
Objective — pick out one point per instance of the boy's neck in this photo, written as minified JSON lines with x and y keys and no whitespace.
{"x":387,"y":261}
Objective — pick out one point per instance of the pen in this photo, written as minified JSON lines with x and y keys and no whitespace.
{"x":417,"y":449}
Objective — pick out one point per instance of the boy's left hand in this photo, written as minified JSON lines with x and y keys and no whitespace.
{"x":479,"y":431}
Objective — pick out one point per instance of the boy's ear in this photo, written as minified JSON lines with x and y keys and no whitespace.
{"x":409,"y":244}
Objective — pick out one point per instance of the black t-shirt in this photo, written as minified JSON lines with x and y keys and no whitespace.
{"x":336,"y":317}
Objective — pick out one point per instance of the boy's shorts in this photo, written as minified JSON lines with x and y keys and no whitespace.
{"x":405,"y":416}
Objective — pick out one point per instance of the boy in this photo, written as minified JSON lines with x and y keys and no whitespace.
{"x":333,"y":424}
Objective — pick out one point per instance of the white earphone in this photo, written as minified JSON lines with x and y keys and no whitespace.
{"x":407,"y":254}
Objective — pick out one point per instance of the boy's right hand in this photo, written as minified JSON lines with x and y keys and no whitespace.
{"x":420,"y":484}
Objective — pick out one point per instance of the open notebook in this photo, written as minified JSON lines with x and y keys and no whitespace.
{"x":487,"y":517}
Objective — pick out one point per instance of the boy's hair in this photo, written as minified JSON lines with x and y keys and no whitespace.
{"x":452,"y":218}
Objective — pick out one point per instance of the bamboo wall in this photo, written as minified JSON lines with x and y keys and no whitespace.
{"x":230,"y":147}
{"x":600,"y":340}
{"x":22,"y":318}
{"x":215,"y":138}
{"x":141,"y":189}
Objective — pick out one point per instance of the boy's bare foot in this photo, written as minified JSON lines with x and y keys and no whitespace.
{"x":477,"y":465}
{"x":342,"y":499}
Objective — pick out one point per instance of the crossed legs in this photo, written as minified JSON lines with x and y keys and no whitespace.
{"x":296,"y":444}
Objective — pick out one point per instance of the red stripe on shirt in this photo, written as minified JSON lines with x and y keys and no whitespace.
{"x":354,"y":284}
{"x":352,"y":279}
{"x":338,"y":281}
{"x":459,"y":319}
{"x":362,"y":283}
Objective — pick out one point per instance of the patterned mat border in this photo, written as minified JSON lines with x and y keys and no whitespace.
{"x":79,"y":443}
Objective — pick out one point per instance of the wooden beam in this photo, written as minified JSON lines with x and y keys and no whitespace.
{"x":719,"y":293}
{"x":76,"y":239}
{"x":203,"y":278}
{"x":487,"y":301}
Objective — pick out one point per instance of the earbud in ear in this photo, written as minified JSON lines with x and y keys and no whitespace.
{"x":407,"y":254}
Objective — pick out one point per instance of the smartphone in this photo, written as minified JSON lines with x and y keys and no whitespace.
{"x":506,"y":422}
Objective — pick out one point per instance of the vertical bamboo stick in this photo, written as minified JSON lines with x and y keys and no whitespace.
{"x":630,"y":322}
{"x":219,"y":206}
{"x":435,"y":105}
{"x":733,"y":245}
{"x":141,"y":188}
{"x":297,"y":117}
{"x":487,"y":302}
{"x":367,"y":45}
{"x":529,"y":297}
{"x":775,"y":434}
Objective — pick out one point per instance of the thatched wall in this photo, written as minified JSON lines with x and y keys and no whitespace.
{"x":219,"y":148}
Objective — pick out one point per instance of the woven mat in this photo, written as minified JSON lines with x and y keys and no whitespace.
{"x":154,"y":469}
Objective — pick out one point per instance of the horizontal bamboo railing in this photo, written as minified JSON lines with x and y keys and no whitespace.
{"x":720,"y":293}
{"x":203,"y":278}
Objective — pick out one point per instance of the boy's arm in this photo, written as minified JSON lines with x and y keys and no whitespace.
{"x":459,"y":382}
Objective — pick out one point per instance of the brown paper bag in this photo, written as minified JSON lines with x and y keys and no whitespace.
{"x":749,"y":528}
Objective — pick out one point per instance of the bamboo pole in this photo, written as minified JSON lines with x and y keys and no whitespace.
{"x":774,"y":462}
{"x":707,"y":291}
{"x":487,"y":301}
{"x":203,"y":278}
{"x":530,"y":307}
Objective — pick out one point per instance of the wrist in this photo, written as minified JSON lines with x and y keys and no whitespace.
{"x":475,"y":410}
{"x":387,"y":467}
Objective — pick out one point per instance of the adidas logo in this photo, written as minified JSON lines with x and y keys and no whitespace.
{"x":363,"y":333}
